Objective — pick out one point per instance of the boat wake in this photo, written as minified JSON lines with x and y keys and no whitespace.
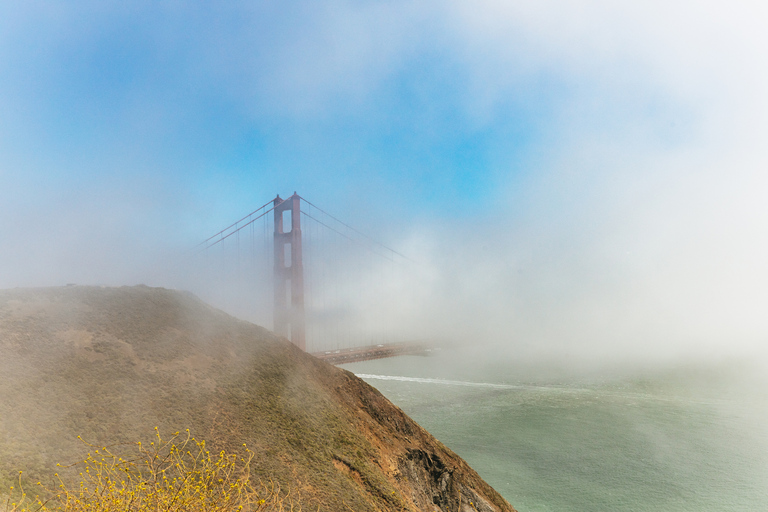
{"x":551,"y":389}
{"x":444,"y":382}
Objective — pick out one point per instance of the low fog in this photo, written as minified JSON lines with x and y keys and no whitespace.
{"x":621,"y":220}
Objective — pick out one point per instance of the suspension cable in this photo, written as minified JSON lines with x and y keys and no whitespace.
{"x":233,"y":224}
{"x":235,"y":231}
{"x":355,"y":230}
{"x":353,"y":240}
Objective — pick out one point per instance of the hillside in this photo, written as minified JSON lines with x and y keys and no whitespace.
{"x":110,"y":364}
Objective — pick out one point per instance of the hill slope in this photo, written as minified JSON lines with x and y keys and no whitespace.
{"x":110,"y":364}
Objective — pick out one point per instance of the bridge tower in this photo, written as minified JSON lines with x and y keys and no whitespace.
{"x":289,"y":273}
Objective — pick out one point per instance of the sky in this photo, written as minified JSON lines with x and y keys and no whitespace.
{"x":581,"y":178}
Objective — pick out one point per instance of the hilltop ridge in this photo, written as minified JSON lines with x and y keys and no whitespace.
{"x":110,"y":364}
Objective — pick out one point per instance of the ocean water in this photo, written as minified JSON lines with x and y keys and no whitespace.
{"x":672,"y":440}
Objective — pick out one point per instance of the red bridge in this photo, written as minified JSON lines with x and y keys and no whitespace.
{"x":324,"y":278}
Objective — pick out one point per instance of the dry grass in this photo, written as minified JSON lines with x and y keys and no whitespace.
{"x":178,"y":474}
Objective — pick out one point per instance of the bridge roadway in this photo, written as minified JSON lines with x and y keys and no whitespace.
{"x":356,"y":354}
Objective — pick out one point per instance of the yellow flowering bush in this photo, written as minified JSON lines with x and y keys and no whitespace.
{"x":178,"y":474}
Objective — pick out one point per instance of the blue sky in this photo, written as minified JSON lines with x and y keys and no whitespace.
{"x":616,"y":152}
{"x":268,"y":99}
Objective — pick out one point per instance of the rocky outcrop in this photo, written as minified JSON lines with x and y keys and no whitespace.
{"x":110,"y":364}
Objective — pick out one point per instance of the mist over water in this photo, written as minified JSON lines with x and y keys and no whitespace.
{"x":674,"y":439}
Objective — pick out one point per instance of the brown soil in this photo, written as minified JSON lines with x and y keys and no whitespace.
{"x":110,"y":364}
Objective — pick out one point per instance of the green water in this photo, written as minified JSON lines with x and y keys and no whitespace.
{"x":673,"y":440}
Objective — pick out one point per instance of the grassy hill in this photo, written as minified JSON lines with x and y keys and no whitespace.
{"x":111,"y":364}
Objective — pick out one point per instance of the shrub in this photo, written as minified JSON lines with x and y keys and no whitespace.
{"x":179,"y":474}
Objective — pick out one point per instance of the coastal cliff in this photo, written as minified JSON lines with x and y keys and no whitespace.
{"x":111,"y":364}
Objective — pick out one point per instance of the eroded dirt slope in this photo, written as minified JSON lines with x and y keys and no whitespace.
{"x":110,"y":364}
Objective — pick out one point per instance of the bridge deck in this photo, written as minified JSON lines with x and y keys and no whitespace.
{"x":356,"y":354}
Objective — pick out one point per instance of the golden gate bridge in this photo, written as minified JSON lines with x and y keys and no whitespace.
{"x":332,"y":290}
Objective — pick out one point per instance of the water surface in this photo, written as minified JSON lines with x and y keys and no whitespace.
{"x":681,"y":439}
